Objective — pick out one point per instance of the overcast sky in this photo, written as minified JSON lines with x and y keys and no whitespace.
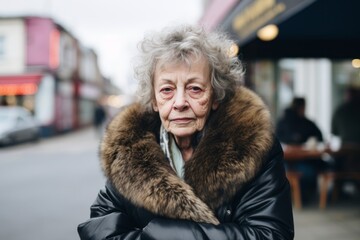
{"x":111,"y":27}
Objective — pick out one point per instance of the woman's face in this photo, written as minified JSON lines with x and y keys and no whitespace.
{"x":183,"y":97}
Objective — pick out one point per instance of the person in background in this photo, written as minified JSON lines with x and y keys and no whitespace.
{"x":196,"y":157}
{"x":346,"y":125}
{"x":99,"y":118}
{"x":346,"y":118}
{"x":294,"y":128}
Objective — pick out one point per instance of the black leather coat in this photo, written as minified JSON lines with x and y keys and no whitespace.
{"x":234,"y":185}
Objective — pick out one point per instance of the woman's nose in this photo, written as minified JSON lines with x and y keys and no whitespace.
{"x":180,"y":101}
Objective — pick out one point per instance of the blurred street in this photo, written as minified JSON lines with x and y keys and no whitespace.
{"x":48,"y":187}
{"x":339,"y":221}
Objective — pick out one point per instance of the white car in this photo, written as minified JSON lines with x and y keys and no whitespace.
{"x":17,"y":125}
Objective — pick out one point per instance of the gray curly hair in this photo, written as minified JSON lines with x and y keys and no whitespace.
{"x":181,"y":44}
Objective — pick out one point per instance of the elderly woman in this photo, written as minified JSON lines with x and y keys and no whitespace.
{"x":195,"y":158}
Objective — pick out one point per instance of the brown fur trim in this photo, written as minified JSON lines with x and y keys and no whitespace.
{"x":230,"y":154}
{"x":237,"y":138}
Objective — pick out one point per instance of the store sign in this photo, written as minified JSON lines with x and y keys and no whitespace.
{"x":256,"y":15}
{"x":11,"y":85}
{"x":251,"y":15}
{"x":18,"y":89}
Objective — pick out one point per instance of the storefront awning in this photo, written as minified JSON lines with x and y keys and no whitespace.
{"x":26,"y":84}
{"x":307,"y":28}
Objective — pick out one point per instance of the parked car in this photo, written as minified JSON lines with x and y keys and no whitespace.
{"x":17,"y":125}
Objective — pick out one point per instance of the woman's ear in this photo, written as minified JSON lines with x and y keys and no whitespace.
{"x":215,"y":105}
{"x":154,"y":106}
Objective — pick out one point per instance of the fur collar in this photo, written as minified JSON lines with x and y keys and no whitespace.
{"x":230,"y":153}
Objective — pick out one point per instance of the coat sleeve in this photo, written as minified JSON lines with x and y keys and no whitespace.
{"x":108,"y":219}
{"x":262,"y":211}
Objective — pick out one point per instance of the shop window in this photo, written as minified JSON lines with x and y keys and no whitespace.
{"x":2,"y":47}
{"x":344,"y":75}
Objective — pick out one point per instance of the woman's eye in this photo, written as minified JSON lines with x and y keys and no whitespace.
{"x":195,"y":89}
{"x":166,"y":90}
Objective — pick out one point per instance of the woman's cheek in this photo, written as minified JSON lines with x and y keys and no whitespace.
{"x":204,"y":104}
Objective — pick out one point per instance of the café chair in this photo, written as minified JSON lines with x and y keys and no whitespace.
{"x":294,"y":181}
{"x":349,"y":158}
{"x":333,"y":177}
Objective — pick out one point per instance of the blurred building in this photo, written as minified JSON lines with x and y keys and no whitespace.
{"x":305,"y":48}
{"x":46,"y":69}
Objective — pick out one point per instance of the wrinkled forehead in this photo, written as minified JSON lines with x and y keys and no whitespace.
{"x":173,"y":60}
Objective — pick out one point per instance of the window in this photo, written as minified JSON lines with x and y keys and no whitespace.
{"x":2,"y":47}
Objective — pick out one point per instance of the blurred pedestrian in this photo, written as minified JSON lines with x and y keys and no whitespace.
{"x":99,"y":118}
{"x":196,"y":157}
{"x":294,"y":128}
{"x":346,"y":119}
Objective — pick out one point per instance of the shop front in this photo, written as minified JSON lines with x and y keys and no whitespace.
{"x":298,"y":28}
{"x":34,"y":92}
{"x":297,"y":48}
{"x":19,"y":90}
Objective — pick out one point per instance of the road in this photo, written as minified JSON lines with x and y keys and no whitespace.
{"x":47,"y":187}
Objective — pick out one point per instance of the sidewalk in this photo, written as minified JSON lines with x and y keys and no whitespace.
{"x":339,"y":221}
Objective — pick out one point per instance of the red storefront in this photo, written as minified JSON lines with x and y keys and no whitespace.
{"x":19,"y":85}
{"x":50,"y":101}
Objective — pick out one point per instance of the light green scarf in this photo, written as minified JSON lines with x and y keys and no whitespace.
{"x":172,"y":152}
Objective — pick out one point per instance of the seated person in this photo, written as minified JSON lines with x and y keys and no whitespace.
{"x":346,"y":125}
{"x":294,"y":128}
{"x":346,"y":119}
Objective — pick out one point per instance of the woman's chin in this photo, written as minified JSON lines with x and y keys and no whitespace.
{"x":183,"y":132}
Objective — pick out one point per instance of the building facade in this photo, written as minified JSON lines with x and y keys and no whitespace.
{"x":45,"y":69}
